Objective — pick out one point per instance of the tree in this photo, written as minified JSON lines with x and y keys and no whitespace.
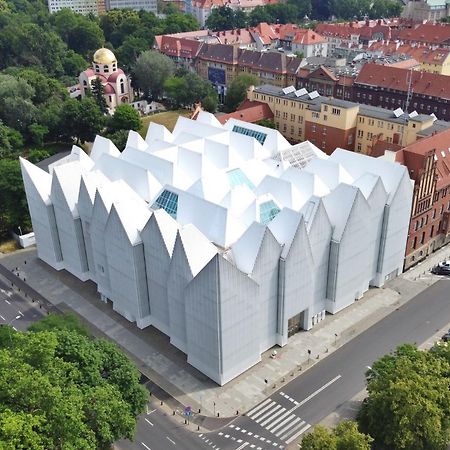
{"x":237,"y":91}
{"x":61,"y":389}
{"x":11,"y":141}
{"x":16,"y":107}
{"x":81,"y":120}
{"x":345,"y":436}
{"x":130,"y":49}
{"x":385,"y":8}
{"x":36,"y":156}
{"x":125,"y":117}
{"x":54,"y":322}
{"x":225,"y":18}
{"x":37,"y":133}
{"x":98,"y":94}
{"x":268,"y":123}
{"x":150,"y":72}
{"x":409,"y":401}
{"x":178,"y":23}
{"x":14,"y":209}
{"x":319,"y":439}
{"x":119,"y":138}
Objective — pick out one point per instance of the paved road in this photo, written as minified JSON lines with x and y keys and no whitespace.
{"x":13,"y":305}
{"x":290,"y":411}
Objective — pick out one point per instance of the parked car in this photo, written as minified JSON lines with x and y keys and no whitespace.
{"x":443,"y":268}
{"x":446,"y":337}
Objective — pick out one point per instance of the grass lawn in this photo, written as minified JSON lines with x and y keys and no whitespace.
{"x":8,"y":246}
{"x":168,"y":119}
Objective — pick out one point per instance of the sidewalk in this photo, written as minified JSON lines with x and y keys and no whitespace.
{"x":167,"y":367}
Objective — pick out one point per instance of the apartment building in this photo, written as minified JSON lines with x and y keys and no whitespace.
{"x":329,"y":122}
{"x":220,"y":64}
{"x":388,"y":87}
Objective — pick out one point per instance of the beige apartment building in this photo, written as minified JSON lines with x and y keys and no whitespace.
{"x":330,"y":123}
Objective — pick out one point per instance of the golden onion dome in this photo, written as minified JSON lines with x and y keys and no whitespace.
{"x":104,"y":56}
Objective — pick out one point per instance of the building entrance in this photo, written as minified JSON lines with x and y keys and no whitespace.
{"x":295,"y":323}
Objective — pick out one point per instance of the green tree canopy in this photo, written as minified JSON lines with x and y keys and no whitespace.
{"x":237,"y":91}
{"x":188,"y":88}
{"x":225,"y":18}
{"x":151,"y":71}
{"x":14,"y":209}
{"x":345,"y":436}
{"x":408,"y":406}
{"x":125,"y":117}
{"x":11,"y":141}
{"x":61,"y":389}
{"x":98,"y":94}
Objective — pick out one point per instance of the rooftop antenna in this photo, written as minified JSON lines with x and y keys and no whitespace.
{"x":407,"y":101}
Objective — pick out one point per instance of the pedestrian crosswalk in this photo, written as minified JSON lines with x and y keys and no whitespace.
{"x":276,"y":419}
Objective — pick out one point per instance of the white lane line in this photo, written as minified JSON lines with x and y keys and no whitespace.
{"x":291,"y":417}
{"x":146,"y":446}
{"x":200,"y":435}
{"x":148,"y":421}
{"x":307,"y":399}
{"x":291,"y":426}
{"x":293,"y":430}
{"x":262,"y":411}
{"x":286,"y":414}
{"x":170,"y":440}
{"x":1,"y":317}
{"x":243,"y":445}
{"x":7,"y":301}
{"x":263,"y":424}
{"x":14,"y":328}
{"x":268,"y":413}
{"x":21,"y":313}
{"x":149,"y":412}
{"x":296,"y":435}
{"x":267,"y":400}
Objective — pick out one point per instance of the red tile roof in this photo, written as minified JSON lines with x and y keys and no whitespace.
{"x":248,"y":111}
{"x":427,"y":33}
{"x":438,"y":143}
{"x":389,"y":77}
{"x":178,"y":47}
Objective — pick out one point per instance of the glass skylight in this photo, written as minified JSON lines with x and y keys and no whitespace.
{"x":236,"y":177}
{"x":260,"y":137}
{"x":268,"y":211}
{"x":167,"y":201}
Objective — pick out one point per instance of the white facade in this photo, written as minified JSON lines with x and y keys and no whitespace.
{"x":78,"y":6}
{"x":227,"y":241}
{"x":138,"y":5}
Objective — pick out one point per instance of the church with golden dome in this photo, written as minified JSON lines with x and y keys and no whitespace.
{"x":116,"y":84}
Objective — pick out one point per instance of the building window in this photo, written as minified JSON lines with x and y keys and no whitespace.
{"x":260,"y":137}
{"x":359,"y":147}
{"x":167,"y":201}
{"x":292,"y":117}
{"x":315,"y":115}
{"x":431,"y":231}
{"x":416,"y":225}
{"x":350,"y":139}
{"x":336,"y":111}
{"x":414,"y":242}
{"x":422,"y":240}
{"x":313,"y":128}
{"x":360,"y":133}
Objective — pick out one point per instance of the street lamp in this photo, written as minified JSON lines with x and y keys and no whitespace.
{"x":9,"y":330}
{"x":373,"y":370}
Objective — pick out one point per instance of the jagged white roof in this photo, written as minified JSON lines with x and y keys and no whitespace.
{"x":224,"y":186}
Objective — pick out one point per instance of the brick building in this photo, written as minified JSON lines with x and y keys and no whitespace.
{"x":428,"y":162}
{"x":388,"y":87}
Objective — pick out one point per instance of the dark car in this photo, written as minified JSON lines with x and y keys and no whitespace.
{"x":446,"y":337}
{"x":442,"y":268}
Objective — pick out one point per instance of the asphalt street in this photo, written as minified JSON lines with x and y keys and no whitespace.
{"x":13,"y":305}
{"x":295,"y":407}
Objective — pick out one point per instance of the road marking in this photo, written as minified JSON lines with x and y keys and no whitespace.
{"x":7,"y":301}
{"x":259,"y":406}
{"x":296,"y":435}
{"x":267,"y":413}
{"x":148,"y":412}
{"x":290,"y":425}
{"x":281,"y":411}
{"x":2,"y":318}
{"x":21,"y":313}
{"x":307,"y":399}
{"x":290,"y":417}
{"x":148,"y":421}
{"x":262,"y":410}
{"x":14,"y":328}
{"x":286,"y":414}
{"x":170,"y":440}
{"x":146,"y":446}
{"x":243,"y":445}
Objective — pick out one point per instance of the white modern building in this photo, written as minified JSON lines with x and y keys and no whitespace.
{"x":226,"y":238}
